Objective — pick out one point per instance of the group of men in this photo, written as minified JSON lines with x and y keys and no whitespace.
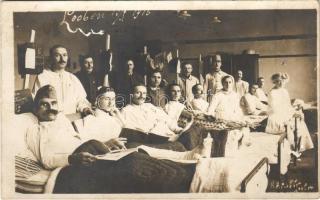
{"x":151,"y":113}
{"x":154,"y":108}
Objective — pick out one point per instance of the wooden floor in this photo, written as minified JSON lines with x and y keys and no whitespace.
{"x":301,"y":177}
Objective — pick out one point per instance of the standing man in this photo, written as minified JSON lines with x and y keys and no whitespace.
{"x":88,"y":77}
{"x":187,"y":81}
{"x":128,"y":79}
{"x":70,"y":93}
{"x":212,"y":83}
{"x":241,"y":87}
{"x":156,"y":92}
{"x":260,"y":92}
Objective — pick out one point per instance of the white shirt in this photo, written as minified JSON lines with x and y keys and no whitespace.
{"x":226,"y":105}
{"x":102,"y":126}
{"x":261,"y":95}
{"x":70,"y":92}
{"x":148,"y":119}
{"x":250,"y":104}
{"x":213,"y":82}
{"x":52,"y":142}
{"x":174,"y":110}
{"x":241,"y":87}
{"x":200,"y":104}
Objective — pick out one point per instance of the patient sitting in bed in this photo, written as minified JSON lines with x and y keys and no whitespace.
{"x":250,"y":103}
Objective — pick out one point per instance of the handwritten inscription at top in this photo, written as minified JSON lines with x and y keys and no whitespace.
{"x":73,"y":19}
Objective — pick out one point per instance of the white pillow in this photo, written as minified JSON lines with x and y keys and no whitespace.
{"x":23,"y":122}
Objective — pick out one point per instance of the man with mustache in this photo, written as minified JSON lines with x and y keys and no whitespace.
{"x":88,"y":77}
{"x":148,"y":124}
{"x":70,"y":93}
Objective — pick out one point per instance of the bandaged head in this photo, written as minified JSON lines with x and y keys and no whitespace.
{"x":105,"y":98}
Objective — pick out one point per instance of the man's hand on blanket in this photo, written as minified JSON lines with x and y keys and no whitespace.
{"x":82,"y":158}
{"x":116,"y":143}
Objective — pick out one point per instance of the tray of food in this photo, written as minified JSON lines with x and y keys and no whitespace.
{"x":210,"y":123}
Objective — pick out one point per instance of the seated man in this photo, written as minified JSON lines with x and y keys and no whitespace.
{"x":107,"y":121}
{"x":260,"y":93}
{"x":55,"y":144}
{"x":250,"y":103}
{"x":146,"y":123}
{"x":174,"y":108}
{"x":198,"y":103}
{"x":70,"y":93}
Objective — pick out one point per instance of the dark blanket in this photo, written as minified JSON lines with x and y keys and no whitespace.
{"x":187,"y":141}
{"x":135,"y":173}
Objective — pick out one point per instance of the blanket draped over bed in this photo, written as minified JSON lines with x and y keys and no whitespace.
{"x":135,"y":173}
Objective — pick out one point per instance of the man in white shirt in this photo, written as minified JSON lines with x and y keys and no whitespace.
{"x":70,"y":92}
{"x":240,"y":86}
{"x":212,"y":83}
{"x":174,"y":108}
{"x":148,"y":124}
{"x":250,"y":104}
{"x":146,"y":117}
{"x":186,"y":81}
{"x":198,"y":103}
{"x":260,"y":92}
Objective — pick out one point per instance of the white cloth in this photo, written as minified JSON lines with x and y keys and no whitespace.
{"x":174,"y":110}
{"x":251,"y":105}
{"x":226,"y":175}
{"x":102,"y":126}
{"x":226,"y":105}
{"x":241,"y":87}
{"x":279,"y":109}
{"x":148,"y":119}
{"x":212,"y":82}
{"x":261,"y":95}
{"x":70,"y":92}
{"x":52,"y":142}
{"x":266,"y":145}
{"x":186,"y":85}
{"x":200,"y":104}
{"x":281,"y":114}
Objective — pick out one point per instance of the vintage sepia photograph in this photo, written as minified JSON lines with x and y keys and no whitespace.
{"x":169,"y":99}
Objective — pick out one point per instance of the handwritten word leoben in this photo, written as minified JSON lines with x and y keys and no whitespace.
{"x":81,"y":17}
{"x":72,"y":17}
